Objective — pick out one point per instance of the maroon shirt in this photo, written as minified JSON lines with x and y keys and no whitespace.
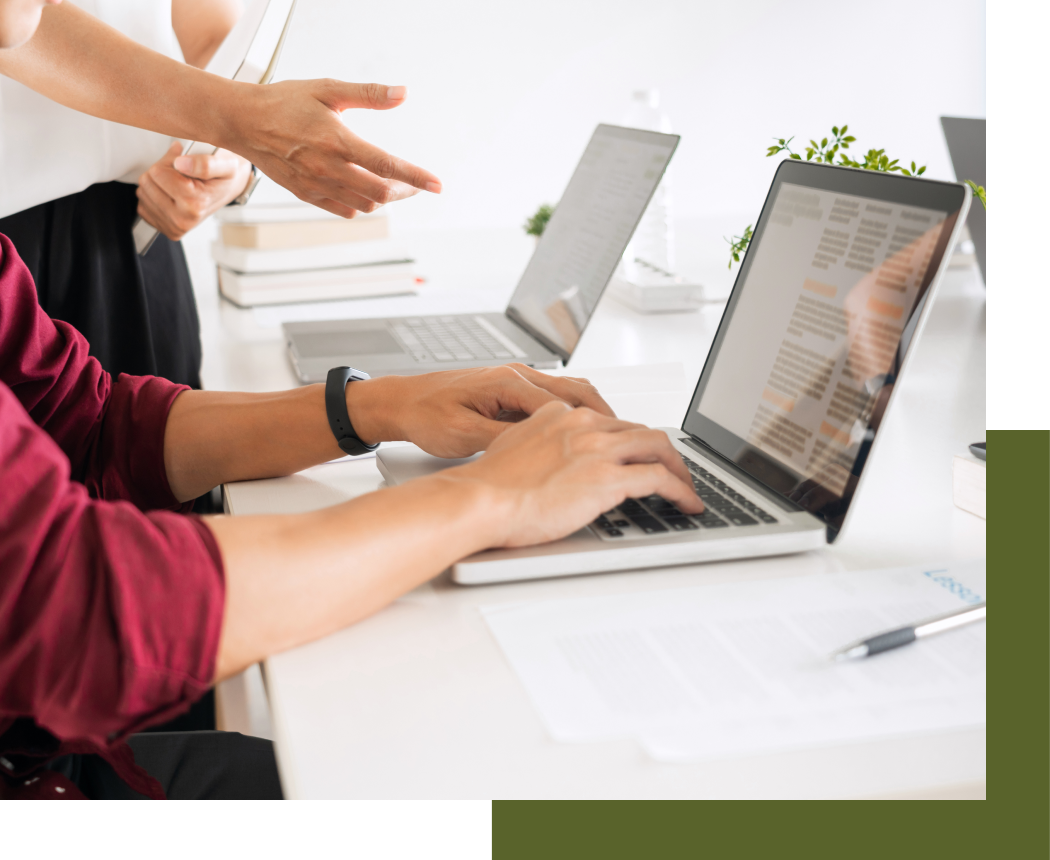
{"x":110,"y":605}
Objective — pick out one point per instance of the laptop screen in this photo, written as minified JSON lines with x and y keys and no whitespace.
{"x":817,"y":327}
{"x":588,"y":233}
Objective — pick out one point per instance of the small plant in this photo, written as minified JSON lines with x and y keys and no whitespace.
{"x":824,"y":153}
{"x":738,"y":244}
{"x":978,"y":191}
{"x":535,"y":225}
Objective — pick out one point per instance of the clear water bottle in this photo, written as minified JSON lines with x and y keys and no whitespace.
{"x":649,"y":257}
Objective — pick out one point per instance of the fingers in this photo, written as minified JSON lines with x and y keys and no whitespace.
{"x":639,"y":480}
{"x":389,"y":167}
{"x":156,"y":207}
{"x":221,"y":165}
{"x":340,"y":95}
{"x":574,"y":391}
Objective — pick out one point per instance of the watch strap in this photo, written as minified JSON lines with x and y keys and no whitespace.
{"x":245,"y":195}
{"x":338,"y":415}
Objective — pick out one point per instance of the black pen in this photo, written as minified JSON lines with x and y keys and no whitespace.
{"x":905,"y":635}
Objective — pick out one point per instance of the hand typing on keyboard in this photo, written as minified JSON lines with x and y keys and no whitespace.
{"x":456,"y":413}
{"x":554,"y":473}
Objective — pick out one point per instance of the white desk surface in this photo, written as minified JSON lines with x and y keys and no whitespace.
{"x":418,"y":700}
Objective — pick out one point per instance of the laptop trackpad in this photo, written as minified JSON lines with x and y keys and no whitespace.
{"x":369,"y":341}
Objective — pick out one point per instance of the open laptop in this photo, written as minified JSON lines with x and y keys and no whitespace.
{"x":1006,"y":155}
{"x":554,"y":300}
{"x":820,"y":325}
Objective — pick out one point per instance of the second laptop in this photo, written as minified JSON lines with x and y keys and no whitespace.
{"x":554,"y":300}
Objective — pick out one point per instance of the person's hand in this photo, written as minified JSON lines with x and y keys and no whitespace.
{"x":293,"y":133}
{"x":180,"y":191}
{"x":558,"y":470}
{"x":456,"y":413}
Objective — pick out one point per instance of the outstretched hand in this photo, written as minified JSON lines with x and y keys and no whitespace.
{"x":292,"y":132}
{"x":456,"y":413}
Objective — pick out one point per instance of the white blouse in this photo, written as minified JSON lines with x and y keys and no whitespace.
{"x":48,"y":151}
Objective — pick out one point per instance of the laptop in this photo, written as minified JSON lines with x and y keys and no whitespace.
{"x":1006,"y":155}
{"x":554,"y":300}
{"x":781,"y":430}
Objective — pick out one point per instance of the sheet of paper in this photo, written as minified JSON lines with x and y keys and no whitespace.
{"x":744,"y":667}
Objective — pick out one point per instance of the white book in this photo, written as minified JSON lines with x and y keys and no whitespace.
{"x":318,"y":285}
{"x":303,"y":259}
{"x":969,"y":482}
{"x":269,"y":213}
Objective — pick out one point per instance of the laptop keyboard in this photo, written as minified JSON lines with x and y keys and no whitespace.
{"x":453,"y":339}
{"x":724,"y":508}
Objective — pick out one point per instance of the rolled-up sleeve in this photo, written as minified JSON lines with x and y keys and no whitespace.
{"x":110,"y":608}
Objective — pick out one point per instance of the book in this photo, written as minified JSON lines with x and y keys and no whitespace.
{"x":968,"y":484}
{"x":267,"y":213}
{"x":304,"y":234}
{"x":365,"y":253}
{"x":316,"y":285}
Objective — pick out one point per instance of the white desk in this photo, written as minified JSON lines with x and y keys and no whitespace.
{"x":418,"y":701}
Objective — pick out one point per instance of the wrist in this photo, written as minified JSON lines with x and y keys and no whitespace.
{"x":372,"y":406}
{"x":232,"y":114}
{"x":481,"y":509}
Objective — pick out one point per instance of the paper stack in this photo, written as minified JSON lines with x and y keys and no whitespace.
{"x":278,"y":254}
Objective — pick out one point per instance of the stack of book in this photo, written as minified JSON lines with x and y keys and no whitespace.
{"x":269,"y":255}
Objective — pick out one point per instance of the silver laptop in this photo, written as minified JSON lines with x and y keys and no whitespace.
{"x":1005,"y":155}
{"x":554,"y":300}
{"x":823,"y":317}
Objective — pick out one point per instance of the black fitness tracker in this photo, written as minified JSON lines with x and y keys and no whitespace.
{"x":338,"y":416}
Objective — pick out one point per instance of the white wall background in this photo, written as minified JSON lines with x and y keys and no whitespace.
{"x":503,"y":97}
{"x":1016,"y":71}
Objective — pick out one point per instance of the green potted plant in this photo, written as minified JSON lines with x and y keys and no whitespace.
{"x":535,"y":225}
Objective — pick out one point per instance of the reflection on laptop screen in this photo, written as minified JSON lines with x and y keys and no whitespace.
{"x":590,"y":229}
{"x":811,"y":351}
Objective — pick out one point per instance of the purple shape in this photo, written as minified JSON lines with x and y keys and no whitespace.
{"x":1019,"y":381}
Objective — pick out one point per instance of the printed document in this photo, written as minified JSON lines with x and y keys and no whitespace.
{"x":745,"y":667}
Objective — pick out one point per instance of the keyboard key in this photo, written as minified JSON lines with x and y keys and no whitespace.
{"x":741,"y":519}
{"x":680,"y":524}
{"x":649,"y":525}
{"x":621,"y":524}
{"x":614,"y":533}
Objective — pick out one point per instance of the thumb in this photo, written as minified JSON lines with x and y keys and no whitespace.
{"x":340,"y":96}
{"x":174,"y":151}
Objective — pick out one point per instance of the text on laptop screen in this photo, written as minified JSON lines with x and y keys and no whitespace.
{"x":810,"y":355}
{"x":586,"y":236}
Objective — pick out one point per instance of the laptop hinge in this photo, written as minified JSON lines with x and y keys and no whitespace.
{"x":729,"y":465}
{"x":514,"y":317}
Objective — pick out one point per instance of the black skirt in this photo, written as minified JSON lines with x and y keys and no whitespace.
{"x":137,"y":313}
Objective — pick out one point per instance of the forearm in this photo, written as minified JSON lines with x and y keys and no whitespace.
{"x":213,"y":437}
{"x":80,"y":62}
{"x":293,"y":579}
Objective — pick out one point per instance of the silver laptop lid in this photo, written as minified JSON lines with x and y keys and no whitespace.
{"x":588,"y":233}
{"x":818,"y":326}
